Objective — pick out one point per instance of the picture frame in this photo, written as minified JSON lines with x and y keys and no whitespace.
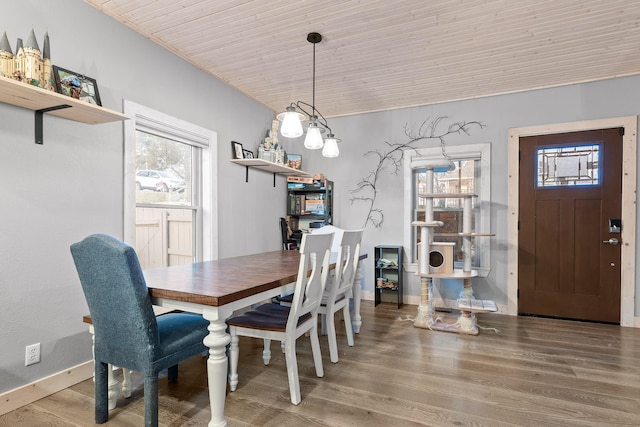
{"x":237,"y":150}
{"x":294,"y":161}
{"x":76,"y":85}
{"x":247,"y":154}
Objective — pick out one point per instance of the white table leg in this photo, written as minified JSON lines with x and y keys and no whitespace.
{"x":356,"y":293}
{"x":114,"y":387}
{"x":126,"y":383}
{"x":217,"y":363}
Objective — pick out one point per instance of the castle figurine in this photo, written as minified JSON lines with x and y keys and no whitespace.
{"x":30,"y":64}
{"x":269,"y":148}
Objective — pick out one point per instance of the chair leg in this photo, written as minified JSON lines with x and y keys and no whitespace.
{"x":233,"y":361}
{"x":292,"y":371}
{"x":266,"y":351}
{"x":172,"y":374}
{"x":347,"y":325}
{"x":101,"y":392}
{"x":151,"y":400}
{"x":315,"y":348}
{"x":331,"y":336}
{"x":113,"y":384}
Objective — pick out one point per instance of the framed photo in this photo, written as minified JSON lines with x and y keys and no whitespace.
{"x":247,"y":154}
{"x":76,"y":85}
{"x":236,"y":150}
{"x":294,"y":161}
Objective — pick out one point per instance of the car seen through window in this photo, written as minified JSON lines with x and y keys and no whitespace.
{"x":159,"y":181}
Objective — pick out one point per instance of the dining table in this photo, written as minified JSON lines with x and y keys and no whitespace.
{"x":217,"y":288}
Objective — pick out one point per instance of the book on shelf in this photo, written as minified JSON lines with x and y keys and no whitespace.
{"x":300,"y":203}
{"x":304,"y":180}
{"x":306,"y":204}
{"x":314,"y":204}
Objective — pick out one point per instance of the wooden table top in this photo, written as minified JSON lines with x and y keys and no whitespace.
{"x":226,"y":280}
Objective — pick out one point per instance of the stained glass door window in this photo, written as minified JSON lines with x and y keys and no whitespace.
{"x":568,"y":166}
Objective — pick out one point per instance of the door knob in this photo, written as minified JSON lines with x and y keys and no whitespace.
{"x":612,"y":241}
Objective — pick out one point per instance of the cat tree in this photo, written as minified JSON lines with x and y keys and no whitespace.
{"x":435,"y":260}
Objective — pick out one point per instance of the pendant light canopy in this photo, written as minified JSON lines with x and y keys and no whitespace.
{"x":292,"y":119}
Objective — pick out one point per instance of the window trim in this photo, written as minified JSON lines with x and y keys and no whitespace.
{"x":148,"y":120}
{"x":482,"y":150}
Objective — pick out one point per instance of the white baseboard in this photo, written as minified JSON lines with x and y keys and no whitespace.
{"x":29,"y":393}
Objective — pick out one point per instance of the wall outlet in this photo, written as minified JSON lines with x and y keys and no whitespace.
{"x":32,"y":354}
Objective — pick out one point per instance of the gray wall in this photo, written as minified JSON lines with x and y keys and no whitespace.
{"x":605,"y":99}
{"x":55,"y":194}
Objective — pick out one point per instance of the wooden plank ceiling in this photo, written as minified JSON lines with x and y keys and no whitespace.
{"x":386,"y":54}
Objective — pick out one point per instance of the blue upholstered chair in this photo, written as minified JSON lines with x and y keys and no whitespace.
{"x":127,"y":333}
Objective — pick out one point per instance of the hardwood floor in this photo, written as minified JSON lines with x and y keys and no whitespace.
{"x":533,"y":372}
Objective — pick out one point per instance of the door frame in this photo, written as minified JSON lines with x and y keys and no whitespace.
{"x":629,"y":160}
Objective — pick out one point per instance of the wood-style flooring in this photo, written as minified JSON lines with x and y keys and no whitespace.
{"x":532,"y":372}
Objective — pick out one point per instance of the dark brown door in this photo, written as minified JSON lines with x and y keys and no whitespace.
{"x":570,"y":187}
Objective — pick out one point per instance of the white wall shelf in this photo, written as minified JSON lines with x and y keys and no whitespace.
{"x":43,"y":101}
{"x":264,"y":165}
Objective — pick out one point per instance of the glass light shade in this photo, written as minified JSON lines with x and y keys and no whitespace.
{"x":291,"y":123}
{"x":330,"y":148}
{"x":313,"y":140}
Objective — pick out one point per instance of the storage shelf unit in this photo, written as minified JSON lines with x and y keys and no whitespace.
{"x":43,"y":101}
{"x":388,"y":272}
{"x":309,"y":202}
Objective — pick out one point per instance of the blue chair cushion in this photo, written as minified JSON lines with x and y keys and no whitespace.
{"x":178,"y":331}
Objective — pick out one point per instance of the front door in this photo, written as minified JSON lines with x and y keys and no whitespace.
{"x":570,"y":197}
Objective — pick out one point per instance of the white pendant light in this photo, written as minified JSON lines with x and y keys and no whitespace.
{"x":330,"y":148}
{"x":291,"y":122}
{"x":291,"y":118}
{"x":313,"y":140}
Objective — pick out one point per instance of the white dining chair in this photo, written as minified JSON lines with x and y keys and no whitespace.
{"x":338,"y":289}
{"x":287,"y":323}
{"x":331,"y":229}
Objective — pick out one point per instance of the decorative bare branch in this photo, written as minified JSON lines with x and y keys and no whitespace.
{"x":391,"y":159}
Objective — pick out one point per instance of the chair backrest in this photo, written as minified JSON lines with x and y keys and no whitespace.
{"x":337,"y":235}
{"x":118,"y":299}
{"x":346,"y":265}
{"x":284,"y":232}
{"x":314,"y":254}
